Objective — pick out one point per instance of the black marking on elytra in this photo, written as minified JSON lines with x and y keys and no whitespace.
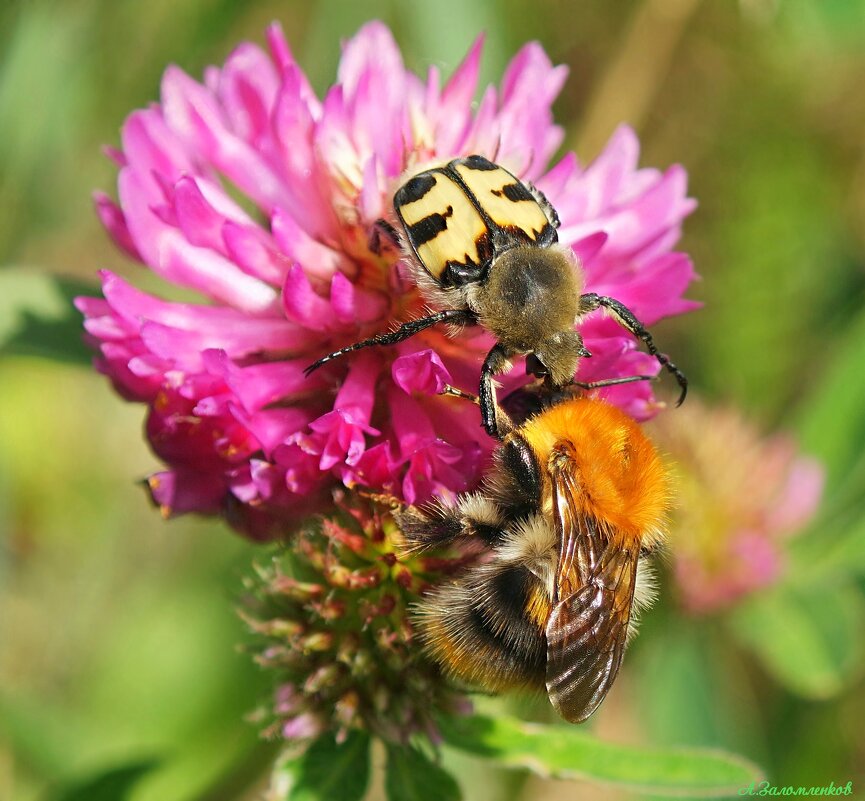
{"x":517,"y":192}
{"x":429,"y":227}
{"x":548,"y":236}
{"x":479,"y":163}
{"x":414,"y":189}
{"x":485,"y":248}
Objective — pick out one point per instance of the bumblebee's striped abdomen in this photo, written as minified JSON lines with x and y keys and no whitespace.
{"x":443,"y":227}
{"x":485,"y":628}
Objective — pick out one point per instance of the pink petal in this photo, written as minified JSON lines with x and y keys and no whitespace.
{"x":152,"y":148}
{"x":255,"y":253}
{"x":320,"y":261}
{"x":168,"y":253}
{"x":302,"y":304}
{"x":248,"y":84}
{"x":112,"y":217}
{"x":194,"y":114}
{"x":179,"y":492}
{"x":800,"y":497}
{"x":273,"y":427}
{"x":421,"y":372}
{"x":358,"y":389}
{"x":284,"y":59}
{"x":354,"y":305}
{"x":198,"y":220}
{"x":260,"y":385}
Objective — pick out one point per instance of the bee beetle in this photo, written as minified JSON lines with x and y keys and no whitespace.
{"x":483,"y":248}
{"x":566,"y":521}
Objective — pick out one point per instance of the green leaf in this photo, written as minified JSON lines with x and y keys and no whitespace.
{"x":693,"y":688}
{"x":566,"y":752}
{"x":809,"y":639}
{"x":410,"y":776}
{"x":325,"y":771}
{"x":112,"y":785}
{"x":40,"y":736}
{"x":833,"y":552}
{"x":37,"y":316}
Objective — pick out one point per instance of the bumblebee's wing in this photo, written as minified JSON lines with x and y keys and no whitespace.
{"x":517,"y":213}
{"x":593,"y":593}
{"x":443,"y":228}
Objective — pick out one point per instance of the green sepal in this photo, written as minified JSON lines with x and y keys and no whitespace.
{"x":326,"y":770}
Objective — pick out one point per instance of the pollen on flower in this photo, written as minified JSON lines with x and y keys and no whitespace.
{"x":242,"y":432}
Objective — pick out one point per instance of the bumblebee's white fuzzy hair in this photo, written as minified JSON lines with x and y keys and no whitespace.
{"x":476,"y":506}
{"x":532,"y":543}
{"x":645,"y":593}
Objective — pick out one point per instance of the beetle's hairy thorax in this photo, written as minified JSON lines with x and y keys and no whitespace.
{"x":529,"y":295}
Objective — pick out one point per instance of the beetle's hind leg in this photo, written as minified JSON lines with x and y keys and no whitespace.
{"x":406,"y":330}
{"x":625,"y":318}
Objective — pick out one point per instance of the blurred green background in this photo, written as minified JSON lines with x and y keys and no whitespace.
{"x":118,"y":643}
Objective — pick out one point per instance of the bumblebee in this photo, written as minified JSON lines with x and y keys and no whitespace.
{"x":482,"y":247}
{"x":565,"y":523}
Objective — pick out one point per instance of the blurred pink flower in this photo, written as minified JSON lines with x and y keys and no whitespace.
{"x":252,"y":192}
{"x":740,"y":497}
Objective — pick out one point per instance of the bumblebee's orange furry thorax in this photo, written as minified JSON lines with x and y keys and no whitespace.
{"x":622,"y":480}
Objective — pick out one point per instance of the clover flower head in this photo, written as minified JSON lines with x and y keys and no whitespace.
{"x":257,"y":196}
{"x":330,"y":617}
{"x":741,"y":496}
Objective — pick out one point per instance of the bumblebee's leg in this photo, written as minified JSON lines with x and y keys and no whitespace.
{"x":380,"y":498}
{"x":474,"y":517}
{"x":433,"y":525}
{"x":491,"y":416}
{"x":625,"y":318}
{"x":406,"y":330}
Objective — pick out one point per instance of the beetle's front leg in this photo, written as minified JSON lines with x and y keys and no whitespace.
{"x":495,"y":422}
